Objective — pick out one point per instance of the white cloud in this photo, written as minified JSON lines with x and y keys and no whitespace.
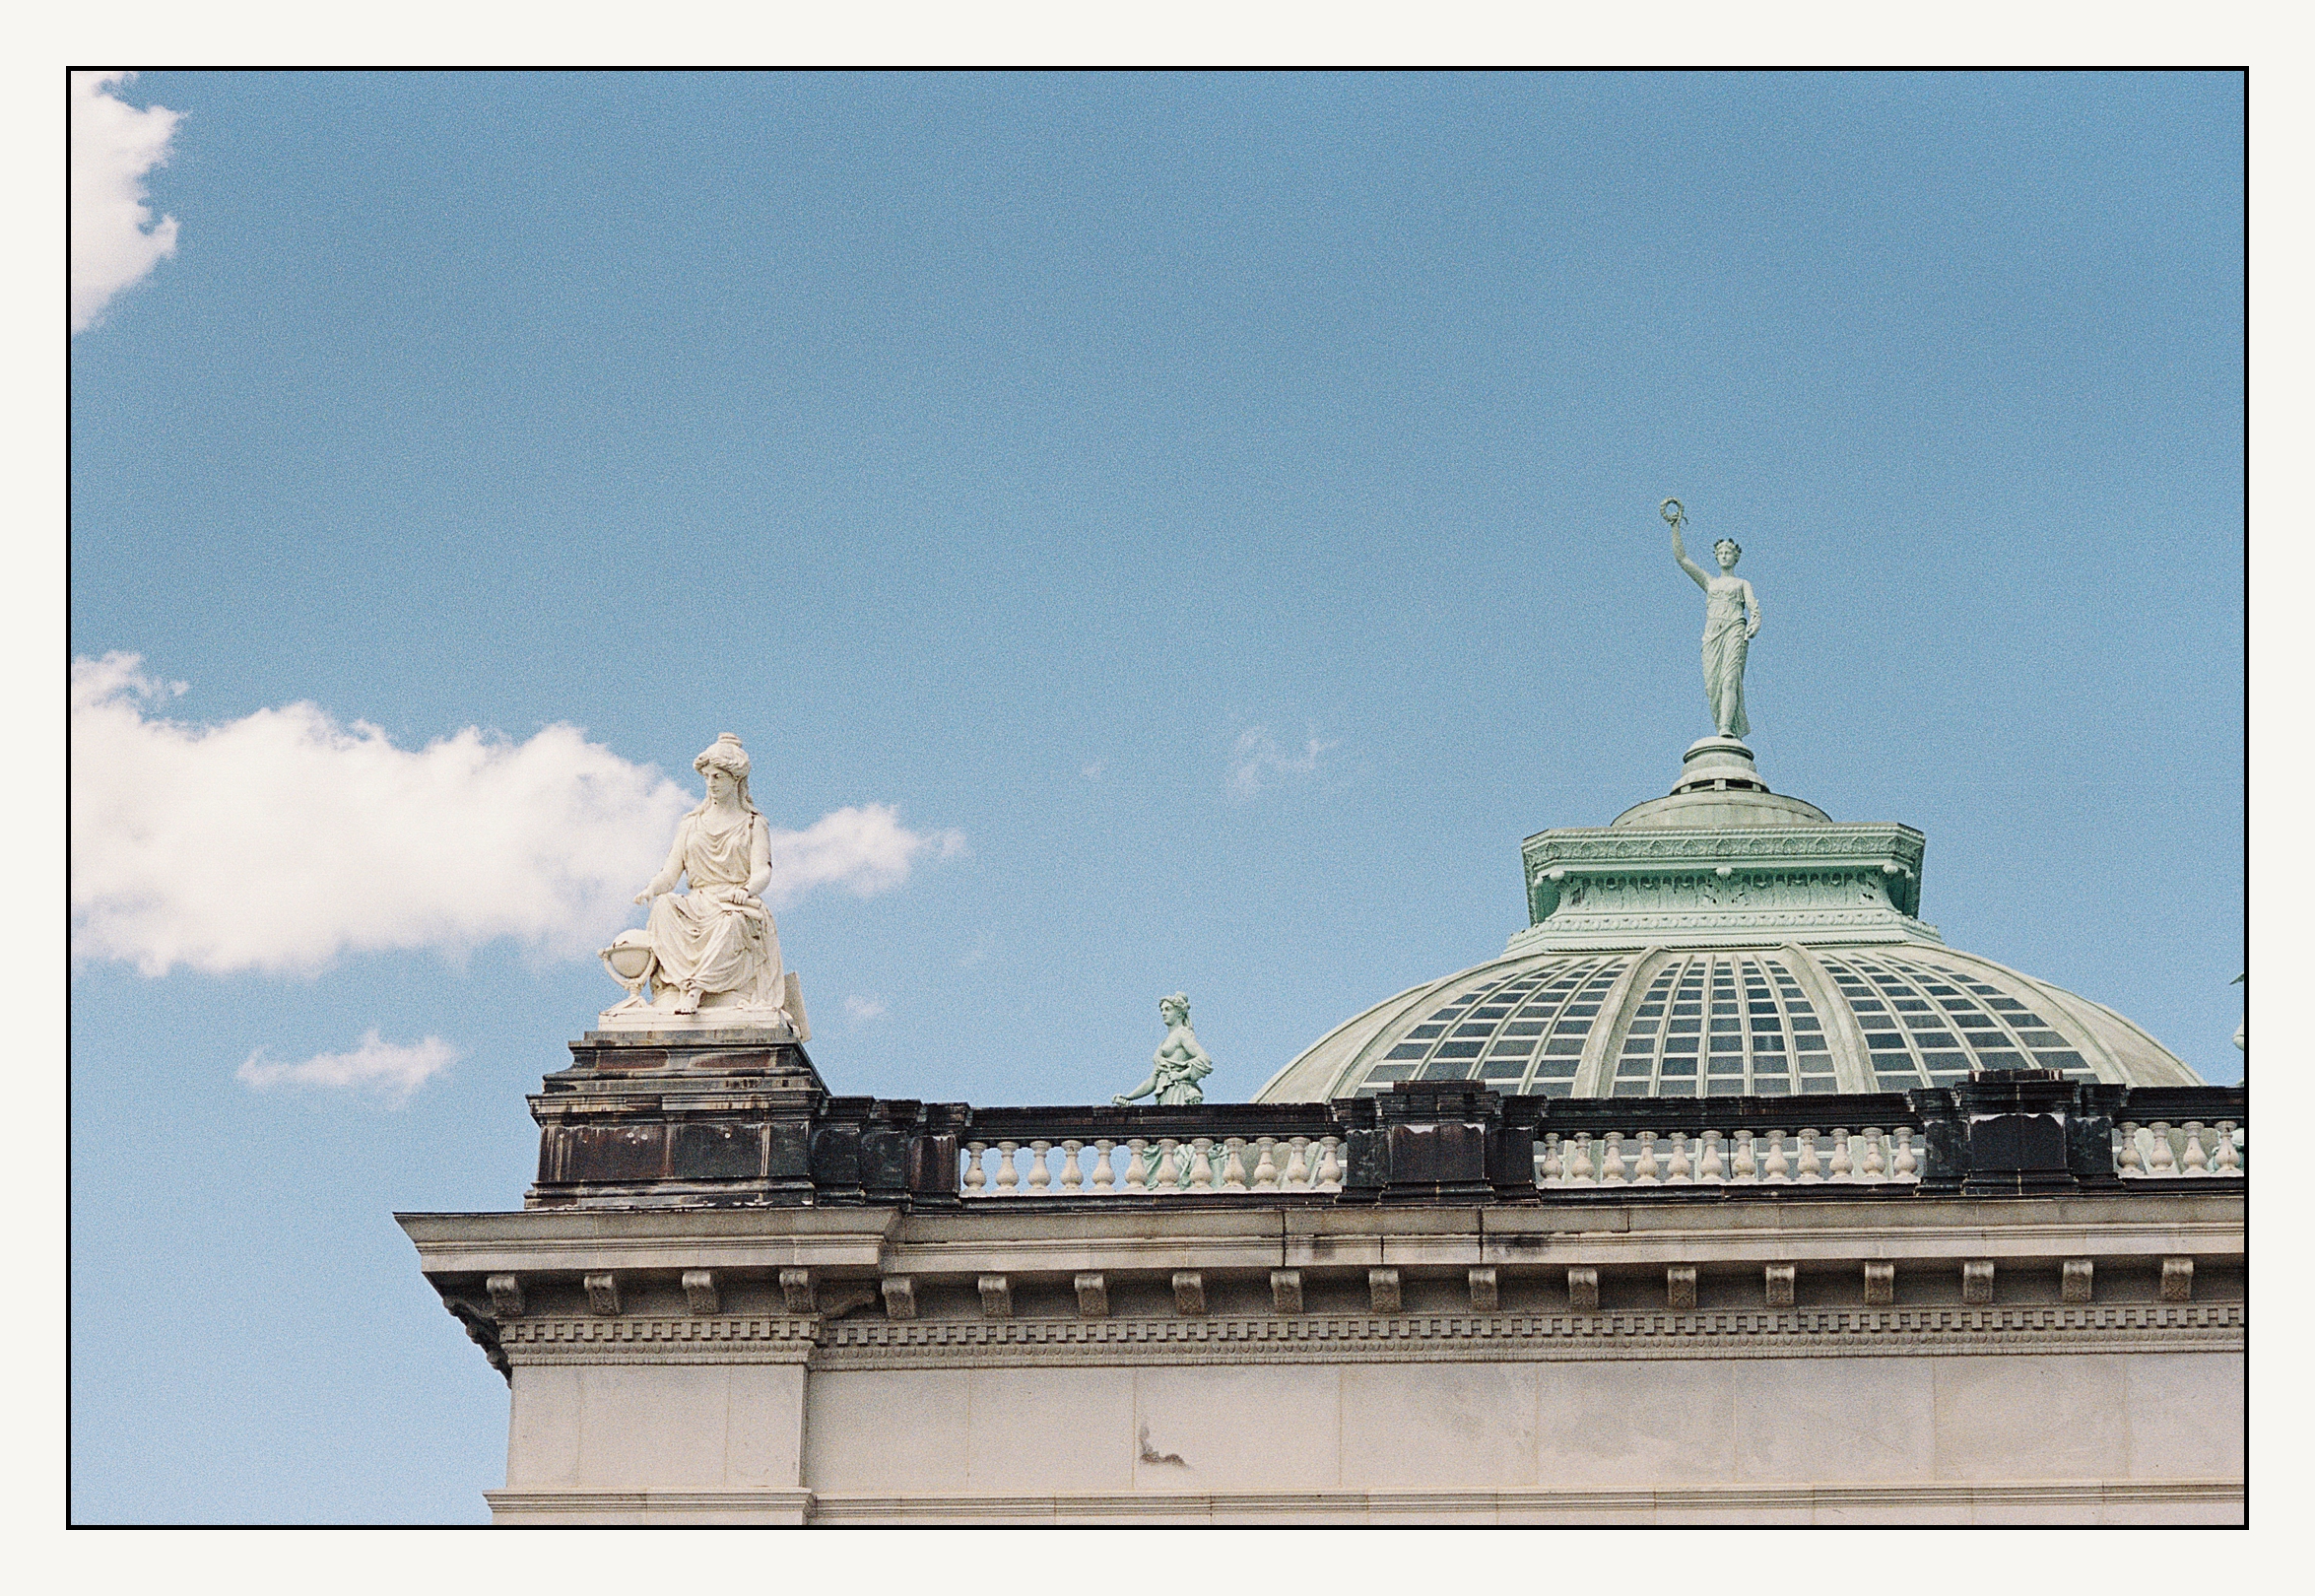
{"x":1258,"y":762}
{"x":864,"y":1008}
{"x":389,"y":1069}
{"x":282,"y":840}
{"x":1092,"y":772}
{"x":864,"y":849}
{"x":115,"y":241}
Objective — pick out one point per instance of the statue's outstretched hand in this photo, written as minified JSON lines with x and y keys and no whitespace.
{"x":644,"y":897}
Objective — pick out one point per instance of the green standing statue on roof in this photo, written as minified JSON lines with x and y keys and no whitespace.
{"x":1732,"y":618}
{"x":1179,"y":1063}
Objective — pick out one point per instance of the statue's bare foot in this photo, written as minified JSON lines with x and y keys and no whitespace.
{"x":687,"y":1001}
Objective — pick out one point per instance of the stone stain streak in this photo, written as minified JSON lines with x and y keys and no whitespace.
{"x":1150,"y":1454}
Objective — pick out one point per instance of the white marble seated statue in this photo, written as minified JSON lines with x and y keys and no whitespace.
{"x":1179,"y":1063}
{"x":710,"y":954}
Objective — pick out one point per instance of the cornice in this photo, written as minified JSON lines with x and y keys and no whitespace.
{"x":1330,"y":1338}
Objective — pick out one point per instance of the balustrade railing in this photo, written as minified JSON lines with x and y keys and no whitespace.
{"x":2162,"y":1150}
{"x":1871,"y":1155}
{"x":1890,"y":1141}
{"x":1225,"y":1150}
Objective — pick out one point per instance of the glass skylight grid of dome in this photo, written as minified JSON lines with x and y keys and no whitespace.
{"x":1923,"y":1025}
{"x":1520,"y":1034}
{"x":1723,"y":1024}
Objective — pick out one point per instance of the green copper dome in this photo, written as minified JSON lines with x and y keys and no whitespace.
{"x":1723,"y":940}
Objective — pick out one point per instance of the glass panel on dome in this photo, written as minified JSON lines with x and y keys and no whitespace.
{"x":1459,"y":1049}
{"x":1676,"y":1088}
{"x":1815,"y":1084}
{"x":1724,"y":1065}
{"x":1508,"y":1049}
{"x":1631,"y":1089}
{"x":2066,"y":1060}
{"x":2041,"y":1039}
{"x":1408,"y":1050}
{"x":1945,"y":1061}
{"x":1894,"y":1081}
{"x":1810,"y":1044}
{"x":1502,"y":1069}
{"x":1390,"y":1072}
{"x":1421,"y":1031}
{"x":2027,"y":1019}
{"x":1679,"y":1066}
{"x":1561,"y":1067}
{"x":1571,"y":1045}
{"x":1474,"y":1030}
{"x":1524,"y":1027}
{"x":1554,"y":1089}
{"x":1804,"y":1020}
{"x":1773,"y":1086}
{"x":1441,"y":1070}
{"x":1626,"y":1067}
{"x":1727,"y":1089}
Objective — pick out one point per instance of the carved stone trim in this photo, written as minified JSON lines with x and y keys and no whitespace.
{"x":1485,"y":1296}
{"x":1880,"y":1283}
{"x":1777,"y":1282}
{"x":1092,"y":1295}
{"x":1583,"y":1288}
{"x":1680,"y":1286}
{"x":505,"y":1295}
{"x":601,"y":1294}
{"x":2178,"y":1280}
{"x":699,"y":1293}
{"x":1977,"y":1281}
{"x":1189,"y":1291}
{"x":1382,"y":1290}
{"x":1285,"y":1290}
{"x":2076,"y":1275}
{"x":900,"y":1296}
{"x":797,"y":1291}
{"x":996,"y":1297}
{"x":1549,"y":1337}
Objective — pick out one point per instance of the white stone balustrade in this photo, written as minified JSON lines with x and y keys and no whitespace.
{"x":2193,"y":1149}
{"x":1800,"y":1155}
{"x":1108,"y":1167}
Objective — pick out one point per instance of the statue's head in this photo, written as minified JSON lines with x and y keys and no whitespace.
{"x":729,"y":760}
{"x":1728,"y":552}
{"x":1174,"y":1010}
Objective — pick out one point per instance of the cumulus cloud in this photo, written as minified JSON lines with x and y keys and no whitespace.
{"x":115,"y":242}
{"x":864,"y":1008}
{"x":864,"y":849}
{"x":1258,"y":763}
{"x":282,"y":840}
{"x":390,"y":1070}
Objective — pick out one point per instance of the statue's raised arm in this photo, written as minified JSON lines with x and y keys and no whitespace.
{"x":1674,"y":515}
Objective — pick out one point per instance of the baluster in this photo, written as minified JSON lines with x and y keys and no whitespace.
{"x":1104,"y":1178}
{"x":2126,"y":1157}
{"x":1265,"y":1163}
{"x":1748,"y":1163}
{"x":1137,"y":1165}
{"x":2225,"y":1161}
{"x":1330,"y":1166}
{"x":975,"y":1177}
{"x":1680,"y":1172}
{"x":1233,"y":1163}
{"x":2197,"y":1162}
{"x":1200,"y":1166}
{"x":1712,"y":1167}
{"x":1644,"y":1173}
{"x":1875,"y":1167}
{"x":2161,"y":1161}
{"x":1579,"y":1167}
{"x":1552,"y":1170}
{"x":1612,"y":1161}
{"x":1072,"y":1177}
{"x":1811,"y":1168}
{"x":1008,"y":1177}
{"x":1167,"y":1174}
{"x":1839,"y":1168}
{"x":1906,"y":1165}
{"x":1297,"y":1163}
{"x":1039,"y":1177}
{"x":1778,"y":1169}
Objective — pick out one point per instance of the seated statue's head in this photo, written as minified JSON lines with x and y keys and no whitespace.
{"x":1174,"y":1010}
{"x":1728,"y":552}
{"x":728,"y":760}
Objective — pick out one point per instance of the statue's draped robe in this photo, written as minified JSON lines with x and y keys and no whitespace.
{"x":1725,"y":643}
{"x":1177,"y":1077}
{"x":714,"y":946}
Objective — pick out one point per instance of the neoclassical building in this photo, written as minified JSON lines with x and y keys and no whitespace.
{"x":1728,"y":1193}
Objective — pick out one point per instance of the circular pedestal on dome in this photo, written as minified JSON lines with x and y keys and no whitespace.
{"x":1720,"y":787}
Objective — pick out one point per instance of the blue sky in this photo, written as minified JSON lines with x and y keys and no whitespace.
{"x":1205,"y":521}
